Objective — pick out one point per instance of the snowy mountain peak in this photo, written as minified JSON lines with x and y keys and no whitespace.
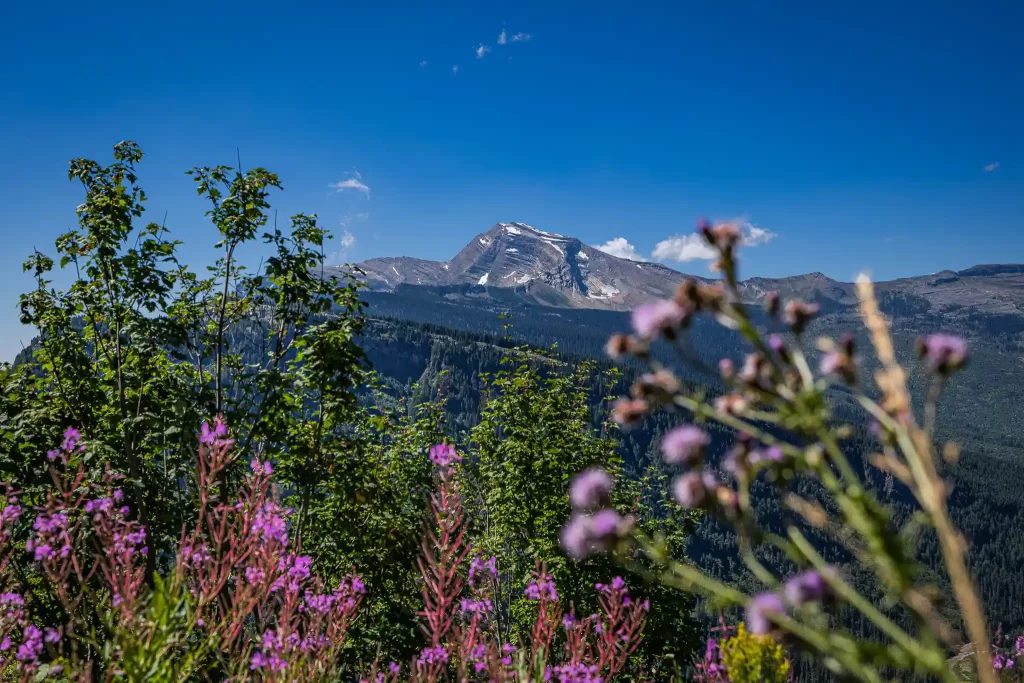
{"x":544,"y":267}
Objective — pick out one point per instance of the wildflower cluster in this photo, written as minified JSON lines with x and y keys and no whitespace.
{"x":775,"y":385}
{"x":459,"y":614}
{"x":234,"y":568}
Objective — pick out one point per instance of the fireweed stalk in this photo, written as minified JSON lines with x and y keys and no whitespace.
{"x":459,"y":625}
{"x":246,"y":606}
{"x":777,"y":386}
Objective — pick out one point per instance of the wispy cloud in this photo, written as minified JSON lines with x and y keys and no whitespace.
{"x":353,"y":183}
{"x":455,"y":70}
{"x":620,"y":246}
{"x":991,"y":167}
{"x":521,"y":37}
{"x":482,"y":50}
{"x":692,"y":247}
{"x":502,"y":37}
{"x":348,"y":240}
{"x":423,"y":63}
{"x":753,"y":235}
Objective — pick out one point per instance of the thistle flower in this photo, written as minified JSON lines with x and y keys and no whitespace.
{"x":721,"y":236}
{"x":943,"y":353}
{"x":798,"y":313}
{"x":731,"y":404}
{"x":808,"y":586}
{"x":587,"y":534}
{"x":759,"y":610}
{"x":619,"y":345}
{"x":628,"y":413}
{"x":590,"y":489}
{"x":661,"y":317}
{"x":770,"y":454}
{"x":661,"y":385}
{"x":684,"y":445}
{"x":691,"y":489}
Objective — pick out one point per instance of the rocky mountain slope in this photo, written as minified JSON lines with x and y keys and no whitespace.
{"x":515,"y":261}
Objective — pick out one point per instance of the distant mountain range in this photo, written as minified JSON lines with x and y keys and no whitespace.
{"x":517,"y":262}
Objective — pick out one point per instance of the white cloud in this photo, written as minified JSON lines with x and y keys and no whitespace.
{"x":991,"y":167}
{"x":423,"y":63}
{"x":354,"y":183}
{"x":753,"y":235}
{"x":683,"y":248}
{"x":502,"y":37}
{"x":692,"y":247}
{"x":620,"y":247}
{"x":521,"y":37}
{"x":455,"y":70}
{"x":482,"y":50}
{"x":348,"y":240}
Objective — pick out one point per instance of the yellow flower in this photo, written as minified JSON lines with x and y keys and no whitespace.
{"x":754,"y":659}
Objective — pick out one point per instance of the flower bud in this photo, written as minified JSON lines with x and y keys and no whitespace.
{"x":798,"y":313}
{"x":628,"y":413}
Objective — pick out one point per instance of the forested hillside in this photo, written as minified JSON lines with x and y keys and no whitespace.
{"x":449,"y":355}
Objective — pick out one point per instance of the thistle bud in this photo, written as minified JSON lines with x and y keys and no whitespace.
{"x":798,"y":313}
{"x":628,"y":413}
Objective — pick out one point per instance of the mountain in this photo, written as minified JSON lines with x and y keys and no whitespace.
{"x":537,"y":266}
{"x":516,"y":262}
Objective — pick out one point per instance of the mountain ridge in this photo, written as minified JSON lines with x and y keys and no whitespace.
{"x":551,"y":269}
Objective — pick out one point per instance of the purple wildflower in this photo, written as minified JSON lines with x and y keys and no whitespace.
{"x":691,"y":489}
{"x":444,"y":455}
{"x":590,"y":489}
{"x":663,"y":316}
{"x":269,"y":523}
{"x":759,"y":610}
{"x":684,"y":445}
{"x":32,"y":644}
{"x":943,"y":353}
{"x":542,"y":588}
{"x":808,"y":586}
{"x":479,"y":565}
{"x":577,"y":673}
{"x":587,"y":534}
{"x":71,"y":441}
{"x":432,"y":655}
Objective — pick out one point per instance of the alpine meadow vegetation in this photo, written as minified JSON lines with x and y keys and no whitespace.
{"x":205,"y":479}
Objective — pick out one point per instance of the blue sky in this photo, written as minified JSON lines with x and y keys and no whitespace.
{"x":857,"y":134}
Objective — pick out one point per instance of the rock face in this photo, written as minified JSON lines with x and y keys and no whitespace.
{"x":518,"y":261}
